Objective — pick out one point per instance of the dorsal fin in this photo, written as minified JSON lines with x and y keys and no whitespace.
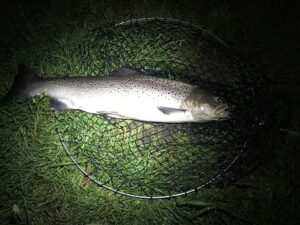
{"x":125,"y":71}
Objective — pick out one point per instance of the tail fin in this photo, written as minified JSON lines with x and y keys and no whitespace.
{"x":21,"y":86}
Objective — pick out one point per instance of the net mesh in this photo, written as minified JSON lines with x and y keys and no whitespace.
{"x":157,"y":160}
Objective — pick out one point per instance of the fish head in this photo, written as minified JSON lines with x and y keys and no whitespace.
{"x":205,"y":106}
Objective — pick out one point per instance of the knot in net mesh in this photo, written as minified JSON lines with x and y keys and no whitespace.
{"x":157,"y":160}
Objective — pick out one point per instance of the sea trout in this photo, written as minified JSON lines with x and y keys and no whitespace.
{"x":126,"y":94}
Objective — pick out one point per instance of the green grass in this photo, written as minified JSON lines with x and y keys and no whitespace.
{"x":40,"y":185}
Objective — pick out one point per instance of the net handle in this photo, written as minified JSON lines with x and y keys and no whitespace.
{"x":291,"y":131}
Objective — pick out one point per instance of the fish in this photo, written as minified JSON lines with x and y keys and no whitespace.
{"x":125,"y":94}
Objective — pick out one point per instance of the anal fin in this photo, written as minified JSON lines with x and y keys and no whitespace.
{"x":55,"y":104}
{"x":117,"y":116}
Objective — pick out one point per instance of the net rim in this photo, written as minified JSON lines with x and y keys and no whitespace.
{"x":216,"y":177}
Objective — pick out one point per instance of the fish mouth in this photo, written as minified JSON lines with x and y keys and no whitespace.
{"x":222,"y":111}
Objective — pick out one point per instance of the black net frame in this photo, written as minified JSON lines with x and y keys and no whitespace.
{"x":155,"y":160}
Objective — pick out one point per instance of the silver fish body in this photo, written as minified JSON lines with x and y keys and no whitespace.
{"x":127,"y":94}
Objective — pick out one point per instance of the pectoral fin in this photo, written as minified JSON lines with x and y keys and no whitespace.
{"x":169,"y":111}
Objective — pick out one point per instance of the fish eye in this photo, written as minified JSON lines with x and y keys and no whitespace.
{"x":218,"y":100}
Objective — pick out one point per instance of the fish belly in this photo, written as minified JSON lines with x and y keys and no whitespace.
{"x":131,"y":107}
